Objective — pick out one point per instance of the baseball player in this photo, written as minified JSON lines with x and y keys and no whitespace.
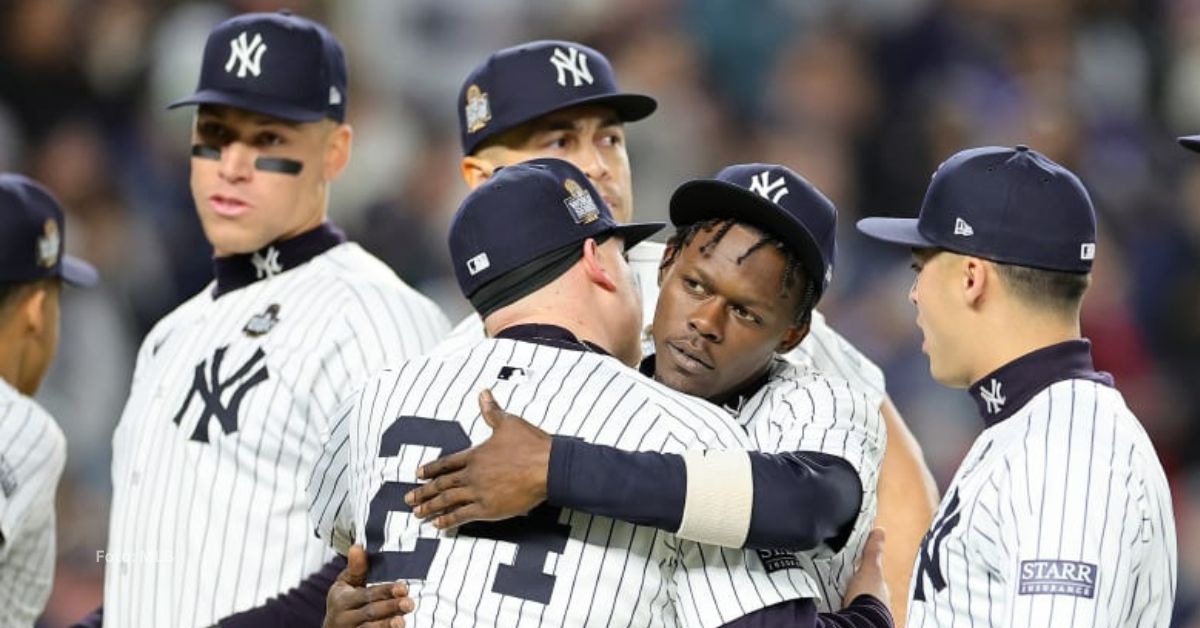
{"x":32,"y":449}
{"x":561,"y":99}
{"x":516,"y":245}
{"x":1060,"y":514}
{"x":233,"y":389}
{"x":735,"y":296}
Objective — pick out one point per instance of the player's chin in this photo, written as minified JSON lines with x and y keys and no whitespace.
{"x":229,"y":237}
{"x":948,"y":377}
{"x":685,"y":382}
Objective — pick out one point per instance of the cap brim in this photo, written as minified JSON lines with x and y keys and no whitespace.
{"x":895,"y":230}
{"x":250,"y":102}
{"x":1190,"y":142}
{"x":706,"y":199}
{"x":629,"y":107}
{"x":78,"y":272}
{"x":633,"y":233}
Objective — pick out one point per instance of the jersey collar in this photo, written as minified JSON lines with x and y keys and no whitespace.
{"x":1006,"y":390}
{"x":550,"y":335}
{"x":238,"y":271}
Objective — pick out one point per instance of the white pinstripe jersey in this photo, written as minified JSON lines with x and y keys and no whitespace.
{"x":554,"y":568}
{"x":222,"y":427}
{"x":827,"y":400}
{"x":803,"y":409}
{"x":1060,"y":515}
{"x":32,"y":454}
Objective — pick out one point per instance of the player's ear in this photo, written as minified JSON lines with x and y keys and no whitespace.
{"x":668,"y":260}
{"x":975,"y":277}
{"x":33,"y":307}
{"x":337,"y":151}
{"x":476,"y":170}
{"x":794,"y":335}
{"x":598,"y":269}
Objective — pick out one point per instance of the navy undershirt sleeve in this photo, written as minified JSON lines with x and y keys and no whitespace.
{"x":302,"y":606}
{"x":865,"y":611}
{"x":801,"y":498}
{"x":93,"y":620}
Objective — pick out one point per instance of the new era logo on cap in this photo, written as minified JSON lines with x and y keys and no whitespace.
{"x":961,"y":228}
{"x":1087,"y":251}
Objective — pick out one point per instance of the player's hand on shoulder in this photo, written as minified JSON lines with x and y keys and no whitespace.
{"x":351,"y":603}
{"x":502,"y":477}
{"x":868,"y":579}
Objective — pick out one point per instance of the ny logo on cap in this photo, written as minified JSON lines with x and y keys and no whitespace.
{"x":247,"y":54}
{"x":574,"y":62}
{"x":49,"y":245}
{"x":762,"y":185}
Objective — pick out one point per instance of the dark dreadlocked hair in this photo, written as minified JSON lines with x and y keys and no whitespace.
{"x":793,"y":269}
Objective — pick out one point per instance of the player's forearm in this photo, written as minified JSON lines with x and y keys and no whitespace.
{"x":651,"y":488}
{"x":908,"y":498}
{"x":303,"y":605}
{"x":865,"y":611}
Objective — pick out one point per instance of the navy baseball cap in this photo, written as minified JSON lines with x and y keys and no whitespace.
{"x":278,"y":64}
{"x":518,"y":84}
{"x":1009,"y":205}
{"x":31,"y":236}
{"x":774,"y":199}
{"x":524,"y":213}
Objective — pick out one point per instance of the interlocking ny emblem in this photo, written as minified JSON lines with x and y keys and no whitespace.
{"x":247,"y":54}
{"x":929,"y":564}
{"x":762,"y":185}
{"x":210,"y":395}
{"x":992,"y":398}
{"x":266,"y":265}
{"x":574,"y":62}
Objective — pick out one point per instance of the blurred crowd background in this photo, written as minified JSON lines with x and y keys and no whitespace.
{"x":863,"y":97}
